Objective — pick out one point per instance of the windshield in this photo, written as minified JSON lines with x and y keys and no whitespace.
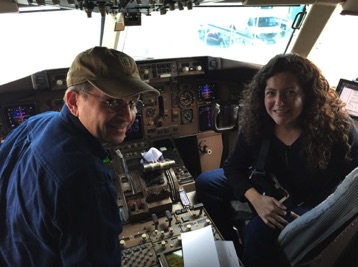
{"x":36,"y":41}
{"x":252,"y":34}
{"x":43,"y":40}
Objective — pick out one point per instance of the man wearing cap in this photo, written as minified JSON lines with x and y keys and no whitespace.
{"x":58,"y":206}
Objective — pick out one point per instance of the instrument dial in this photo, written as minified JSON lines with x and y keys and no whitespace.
{"x":149,"y":113}
{"x":187,"y":116}
{"x":186,"y":98}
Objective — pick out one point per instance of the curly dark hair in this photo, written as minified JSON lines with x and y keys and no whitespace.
{"x":324,"y":119}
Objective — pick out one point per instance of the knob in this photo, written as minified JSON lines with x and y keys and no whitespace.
{"x":122,"y":243}
{"x":185,"y":69}
{"x":207,"y":150}
{"x":188,"y":227}
{"x":198,"y":68}
{"x":59,"y":82}
{"x":203,"y":148}
{"x":144,"y":237}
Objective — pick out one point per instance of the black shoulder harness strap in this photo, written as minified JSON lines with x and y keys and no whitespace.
{"x":261,"y":160}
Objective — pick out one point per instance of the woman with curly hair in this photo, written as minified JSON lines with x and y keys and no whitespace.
{"x":313,"y":145}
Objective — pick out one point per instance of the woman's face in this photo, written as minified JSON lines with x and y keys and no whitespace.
{"x":284,"y":99}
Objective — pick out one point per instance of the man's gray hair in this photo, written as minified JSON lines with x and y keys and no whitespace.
{"x":82,"y":87}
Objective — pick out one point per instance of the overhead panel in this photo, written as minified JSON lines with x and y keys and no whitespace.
{"x":276,"y":2}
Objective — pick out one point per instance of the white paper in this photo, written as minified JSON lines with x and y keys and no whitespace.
{"x":199,"y":248}
{"x":227,"y":254}
{"x":152,"y":155}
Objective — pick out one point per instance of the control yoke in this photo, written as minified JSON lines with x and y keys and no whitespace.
{"x":233,"y":114}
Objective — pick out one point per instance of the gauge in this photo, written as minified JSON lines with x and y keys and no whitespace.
{"x":186,"y":98}
{"x":175,"y":100}
{"x":187,"y":116}
{"x":149,"y":113}
{"x":149,"y":99}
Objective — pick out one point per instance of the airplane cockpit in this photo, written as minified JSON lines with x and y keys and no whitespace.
{"x":198,"y":54}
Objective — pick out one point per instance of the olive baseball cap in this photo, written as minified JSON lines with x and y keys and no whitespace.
{"x":110,"y":71}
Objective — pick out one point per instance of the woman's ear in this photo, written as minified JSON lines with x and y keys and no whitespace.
{"x":71,"y":99}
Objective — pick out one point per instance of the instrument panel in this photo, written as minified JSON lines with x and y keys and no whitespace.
{"x":187,"y":88}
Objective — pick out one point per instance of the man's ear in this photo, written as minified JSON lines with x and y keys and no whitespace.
{"x":71,"y":99}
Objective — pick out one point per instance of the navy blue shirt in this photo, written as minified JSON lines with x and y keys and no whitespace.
{"x":58,"y":205}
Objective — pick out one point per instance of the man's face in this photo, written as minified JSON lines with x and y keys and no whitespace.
{"x":107,"y":123}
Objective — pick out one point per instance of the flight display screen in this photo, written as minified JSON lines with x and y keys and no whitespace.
{"x":175,"y":258}
{"x":205,"y":118}
{"x":348,"y":93}
{"x":207,"y":92}
{"x":136,"y":130}
{"x":17,"y":114}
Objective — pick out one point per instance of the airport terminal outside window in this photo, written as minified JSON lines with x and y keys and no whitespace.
{"x":252,"y":34}
{"x":35,"y":42}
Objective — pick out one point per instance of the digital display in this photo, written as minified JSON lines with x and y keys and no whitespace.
{"x":207,"y":92}
{"x":136,"y":130}
{"x":348,"y":93}
{"x":17,"y":114}
{"x":205,"y":114}
{"x":175,"y":258}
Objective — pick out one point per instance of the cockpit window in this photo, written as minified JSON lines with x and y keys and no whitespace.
{"x":36,"y":41}
{"x":252,"y":34}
